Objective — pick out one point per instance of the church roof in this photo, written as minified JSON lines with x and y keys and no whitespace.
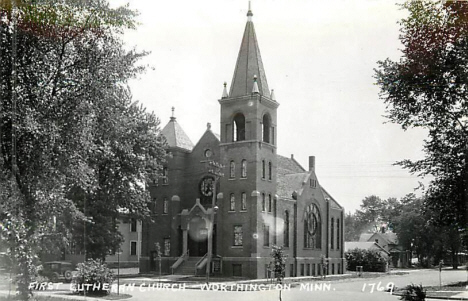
{"x":288,"y":183}
{"x":249,"y":64}
{"x":288,"y":165}
{"x":175,"y":135}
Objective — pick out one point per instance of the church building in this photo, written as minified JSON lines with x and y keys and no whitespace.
{"x":224,"y":202}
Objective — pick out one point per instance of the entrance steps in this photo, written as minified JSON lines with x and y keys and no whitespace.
{"x":188,"y":267}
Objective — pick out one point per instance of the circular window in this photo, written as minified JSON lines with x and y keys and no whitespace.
{"x":208,"y":153}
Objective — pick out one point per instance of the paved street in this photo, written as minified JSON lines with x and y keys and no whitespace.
{"x":347,"y":290}
{"x":366,"y":289}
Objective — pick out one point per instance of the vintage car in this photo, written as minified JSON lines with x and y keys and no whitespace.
{"x":57,"y":271}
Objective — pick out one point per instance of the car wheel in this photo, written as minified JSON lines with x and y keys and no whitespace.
{"x":54,"y":277}
{"x":68,"y":275}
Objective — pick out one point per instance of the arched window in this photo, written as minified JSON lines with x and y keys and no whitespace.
{"x":269,"y":170}
{"x":312,"y":227}
{"x":263,"y":202}
{"x":338,"y":226}
{"x":266,"y":128}
{"x":232,"y":203}
{"x":286,"y":228}
{"x":244,"y":169}
{"x":232,"y":170}
{"x":270,"y":205}
{"x":244,"y":201}
{"x":239,"y":127}
{"x":332,"y":238}
{"x":263,"y":169}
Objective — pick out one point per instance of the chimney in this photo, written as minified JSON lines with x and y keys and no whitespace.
{"x":311,"y":163}
{"x":292,"y":156}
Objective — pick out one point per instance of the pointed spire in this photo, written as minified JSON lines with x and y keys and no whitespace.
{"x":255,"y":86}
{"x":172,"y":117}
{"x":249,"y":63}
{"x":249,"y":14}
{"x":225,"y":93}
{"x":272,"y":95}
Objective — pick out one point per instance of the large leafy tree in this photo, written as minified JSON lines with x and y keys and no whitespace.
{"x":74,"y":148}
{"x":428,"y":88}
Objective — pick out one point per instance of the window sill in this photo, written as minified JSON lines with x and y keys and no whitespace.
{"x":243,"y":178}
{"x":237,"y":247}
{"x":231,"y":211}
{"x":231,"y":179}
{"x":244,"y":210}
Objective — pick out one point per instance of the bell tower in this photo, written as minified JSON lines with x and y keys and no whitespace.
{"x":248,"y":150}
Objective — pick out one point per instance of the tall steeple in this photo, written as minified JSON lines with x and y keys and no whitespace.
{"x":249,"y":63}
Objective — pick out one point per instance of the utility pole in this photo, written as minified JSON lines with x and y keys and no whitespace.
{"x":215,"y":169}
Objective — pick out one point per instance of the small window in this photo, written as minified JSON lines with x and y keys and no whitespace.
{"x":133,"y":225}
{"x":244,"y":201}
{"x":270,"y":205}
{"x":291,"y":270}
{"x":244,"y":169}
{"x":263,"y":169}
{"x":165,"y":206}
{"x":165,"y":177}
{"x":232,"y":170}
{"x":167,"y":246}
{"x":269,"y":170}
{"x":302,"y":269}
{"x":333,"y":269}
{"x":313,"y":269}
{"x":266,"y":235}
{"x":232,"y":202}
{"x":133,"y":248}
{"x":263,"y":202}
{"x":237,"y":235}
{"x":308,"y":269}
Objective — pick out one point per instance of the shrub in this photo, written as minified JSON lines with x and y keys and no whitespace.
{"x":370,"y":260}
{"x":414,"y":293}
{"x":94,"y":277}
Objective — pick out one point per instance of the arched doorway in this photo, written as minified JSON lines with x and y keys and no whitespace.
{"x":198,"y":236}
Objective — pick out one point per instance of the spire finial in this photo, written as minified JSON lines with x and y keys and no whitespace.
{"x":255,"y":86}
{"x":225,"y":93}
{"x":172,"y":117}
{"x":249,"y":13}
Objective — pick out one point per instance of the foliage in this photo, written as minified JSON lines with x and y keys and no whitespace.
{"x":370,"y":260}
{"x":94,"y":277}
{"x":427,"y":88}
{"x":74,"y":147}
{"x":279,"y":261}
{"x":414,"y":293}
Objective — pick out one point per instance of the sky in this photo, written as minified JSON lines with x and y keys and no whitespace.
{"x":319,"y":57}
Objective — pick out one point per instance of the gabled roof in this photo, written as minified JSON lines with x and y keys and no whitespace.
{"x":249,"y":64}
{"x":389,"y":237}
{"x":175,"y":135}
{"x":333,"y":202}
{"x":288,"y":183}
{"x":350,"y":245}
{"x":288,"y":166}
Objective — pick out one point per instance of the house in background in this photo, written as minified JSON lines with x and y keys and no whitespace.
{"x":366,"y":245}
{"x":400,"y":258}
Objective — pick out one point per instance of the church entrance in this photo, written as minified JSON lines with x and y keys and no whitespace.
{"x":197,"y":237}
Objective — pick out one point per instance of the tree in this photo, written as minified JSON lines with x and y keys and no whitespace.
{"x":279,"y":261}
{"x":74,"y":148}
{"x":428,"y":88}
